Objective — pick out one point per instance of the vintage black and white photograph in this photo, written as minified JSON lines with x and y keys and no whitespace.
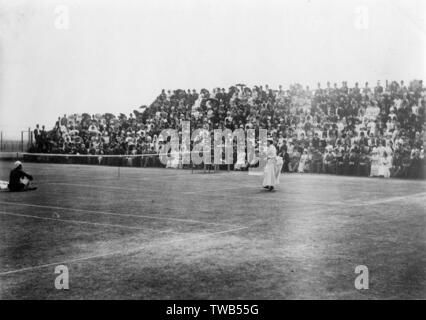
{"x":212,"y":150}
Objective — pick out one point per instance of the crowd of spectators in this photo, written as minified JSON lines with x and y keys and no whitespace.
{"x":377,"y":131}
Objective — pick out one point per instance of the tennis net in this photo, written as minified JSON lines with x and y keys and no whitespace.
{"x":142,"y":160}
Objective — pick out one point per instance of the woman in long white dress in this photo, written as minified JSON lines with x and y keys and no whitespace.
{"x":303,"y":161}
{"x":271,"y":175}
{"x":241,"y":161}
{"x":384,"y":166}
{"x":374,"y":171}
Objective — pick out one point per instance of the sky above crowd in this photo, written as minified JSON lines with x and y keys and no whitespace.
{"x":96,"y":56}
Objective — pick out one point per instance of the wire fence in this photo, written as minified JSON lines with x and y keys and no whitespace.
{"x":21,"y":144}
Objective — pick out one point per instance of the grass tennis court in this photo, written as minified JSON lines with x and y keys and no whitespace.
{"x":169,"y":234}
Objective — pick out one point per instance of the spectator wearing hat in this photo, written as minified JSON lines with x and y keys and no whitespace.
{"x":329,"y":162}
{"x":384,"y":166}
{"x":364,"y":164}
{"x":317,"y":161}
{"x":294,"y":158}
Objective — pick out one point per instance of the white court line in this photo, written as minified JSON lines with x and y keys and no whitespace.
{"x":346,"y":204}
{"x":118,"y":214}
{"x":86,"y":222}
{"x":121,"y":252}
{"x":379,"y":201}
{"x":343,"y":203}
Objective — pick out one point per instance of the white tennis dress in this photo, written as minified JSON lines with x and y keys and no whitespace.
{"x":271,"y":174}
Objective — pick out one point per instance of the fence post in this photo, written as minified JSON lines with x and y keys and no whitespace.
{"x":29,"y":143}
{"x":22,"y":141}
{"x":1,"y":140}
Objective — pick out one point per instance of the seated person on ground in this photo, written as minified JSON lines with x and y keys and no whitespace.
{"x":19,"y":180}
